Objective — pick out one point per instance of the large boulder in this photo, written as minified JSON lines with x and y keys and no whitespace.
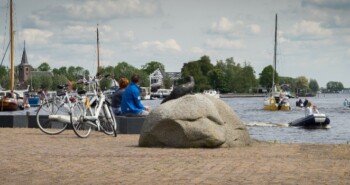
{"x":193,"y":121}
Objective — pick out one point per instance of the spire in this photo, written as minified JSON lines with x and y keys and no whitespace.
{"x":24,"y":55}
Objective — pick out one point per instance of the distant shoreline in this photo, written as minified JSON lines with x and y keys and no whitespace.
{"x":241,"y":95}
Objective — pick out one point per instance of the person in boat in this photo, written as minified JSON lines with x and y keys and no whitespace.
{"x":346,"y":103}
{"x":117,"y":96}
{"x":315,"y":110}
{"x":131,"y":100}
{"x":305,"y":102}
{"x":308,"y":109}
{"x":283,"y":100}
{"x":299,"y":103}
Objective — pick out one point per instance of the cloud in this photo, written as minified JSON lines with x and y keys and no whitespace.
{"x":309,"y":30}
{"x":36,"y":21}
{"x":197,"y":50}
{"x":222,"y":43}
{"x":226,"y":26}
{"x":168,"y":45}
{"x":87,"y":10}
{"x":35,"y":36}
{"x":327,"y":4}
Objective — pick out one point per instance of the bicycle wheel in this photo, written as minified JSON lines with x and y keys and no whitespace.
{"x":107,"y":120}
{"x":50,"y":117}
{"x":81,"y":128}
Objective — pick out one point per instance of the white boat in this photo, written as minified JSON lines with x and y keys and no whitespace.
{"x":161,"y":93}
{"x":212,"y":93}
{"x":276,"y":100}
{"x":145,"y":93}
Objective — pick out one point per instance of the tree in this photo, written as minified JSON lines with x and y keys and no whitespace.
{"x":152,"y":66}
{"x":216,"y":78}
{"x":58,"y":79}
{"x":266,"y":75}
{"x":124,"y":69}
{"x":333,"y":86}
{"x":313,"y":85}
{"x":198,"y":69}
{"x":44,"y":67}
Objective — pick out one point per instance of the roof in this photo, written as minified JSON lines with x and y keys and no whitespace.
{"x":24,"y":60}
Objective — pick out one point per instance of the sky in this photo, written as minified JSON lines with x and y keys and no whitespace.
{"x":313,"y":35}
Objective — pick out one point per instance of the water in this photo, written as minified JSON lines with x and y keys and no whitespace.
{"x":273,"y":126}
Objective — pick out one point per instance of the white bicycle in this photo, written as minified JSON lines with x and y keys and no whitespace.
{"x":93,"y":111}
{"x":52,"y":116}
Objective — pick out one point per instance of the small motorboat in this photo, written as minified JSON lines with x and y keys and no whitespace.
{"x":312,"y":121}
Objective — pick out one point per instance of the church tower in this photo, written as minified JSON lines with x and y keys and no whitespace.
{"x":24,"y":68}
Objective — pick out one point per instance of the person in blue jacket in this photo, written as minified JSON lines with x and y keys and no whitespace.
{"x":131,"y":100}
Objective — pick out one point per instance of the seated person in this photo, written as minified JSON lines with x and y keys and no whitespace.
{"x":131,"y":103}
{"x":308,"y":109}
{"x":117,"y":96}
{"x":315,"y":110}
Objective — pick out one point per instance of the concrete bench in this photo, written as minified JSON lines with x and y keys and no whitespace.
{"x":129,"y":125}
{"x":125,"y":124}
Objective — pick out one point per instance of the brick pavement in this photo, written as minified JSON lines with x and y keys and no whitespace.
{"x":30,"y":157}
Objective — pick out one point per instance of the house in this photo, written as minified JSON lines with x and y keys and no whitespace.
{"x":158,"y":76}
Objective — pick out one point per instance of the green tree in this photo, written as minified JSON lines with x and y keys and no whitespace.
{"x":198,"y":69}
{"x":216,"y":78}
{"x":313,"y":85}
{"x":265,"y":77}
{"x":152,"y":66}
{"x":333,"y":86}
{"x":124,"y":69}
{"x":44,"y":67}
{"x":58,"y":79}
{"x":248,"y":80}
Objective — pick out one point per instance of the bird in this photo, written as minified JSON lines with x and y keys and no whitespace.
{"x":181,"y":90}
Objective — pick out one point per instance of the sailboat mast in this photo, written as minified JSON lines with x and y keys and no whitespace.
{"x":98,"y":53}
{"x":274,"y":55}
{"x":12,"y":38}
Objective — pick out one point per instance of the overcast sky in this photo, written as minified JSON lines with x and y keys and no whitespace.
{"x":313,"y":35}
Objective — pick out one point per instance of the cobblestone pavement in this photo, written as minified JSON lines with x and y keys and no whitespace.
{"x":29,"y":156}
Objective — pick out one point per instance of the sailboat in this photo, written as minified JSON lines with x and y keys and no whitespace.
{"x":9,"y":101}
{"x":277,"y":100}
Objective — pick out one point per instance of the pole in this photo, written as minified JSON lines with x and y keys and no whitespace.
{"x":274,"y":56}
{"x":12,"y":73}
{"x":98,"y":54}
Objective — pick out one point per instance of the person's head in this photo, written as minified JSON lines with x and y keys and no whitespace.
{"x":123,"y":82}
{"x":308,"y":104}
{"x":135,"y":78}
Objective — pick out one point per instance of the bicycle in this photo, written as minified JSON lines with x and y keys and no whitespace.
{"x":84,"y":116}
{"x":52,"y":116}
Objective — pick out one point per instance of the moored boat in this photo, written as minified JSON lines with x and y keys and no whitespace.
{"x":212,"y":93}
{"x":8,"y":103}
{"x":276,"y":100}
{"x":311,"y":121}
{"x":161,"y":93}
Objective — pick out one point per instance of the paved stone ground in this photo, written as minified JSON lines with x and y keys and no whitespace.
{"x":28,"y":156}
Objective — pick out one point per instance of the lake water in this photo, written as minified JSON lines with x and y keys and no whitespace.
{"x":273,"y":125}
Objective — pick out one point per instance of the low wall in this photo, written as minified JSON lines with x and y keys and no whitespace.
{"x":125,"y":125}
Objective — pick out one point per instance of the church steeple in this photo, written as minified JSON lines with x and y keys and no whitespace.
{"x":24,"y":67}
{"x":24,"y":55}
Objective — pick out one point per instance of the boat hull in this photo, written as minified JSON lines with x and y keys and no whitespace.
{"x":311,"y":121}
{"x":271,"y":105}
{"x":8,"y":104}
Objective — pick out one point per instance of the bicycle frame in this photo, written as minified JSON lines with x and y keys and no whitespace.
{"x":98,"y":97}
